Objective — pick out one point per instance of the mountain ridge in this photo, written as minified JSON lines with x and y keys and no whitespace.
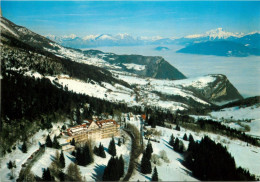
{"x":125,"y":39}
{"x":220,"y":48}
{"x":107,"y":75}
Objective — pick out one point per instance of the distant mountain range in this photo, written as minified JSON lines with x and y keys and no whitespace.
{"x":149,"y":66}
{"x":220,"y":48}
{"x":250,"y":39}
{"x":116,"y":78}
{"x":231,"y":44}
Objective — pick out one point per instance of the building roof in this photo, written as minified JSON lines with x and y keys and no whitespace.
{"x":106,"y":122}
{"x":143,"y":116}
{"x":81,"y":128}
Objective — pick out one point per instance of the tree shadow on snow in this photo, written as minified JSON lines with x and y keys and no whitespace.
{"x":187,"y":171}
{"x":98,"y":172}
{"x":73,"y":159}
{"x":137,"y":166}
{"x":181,"y":160}
{"x":166,"y":143}
{"x":148,"y":178}
{"x":53,"y":157}
{"x":106,"y":149}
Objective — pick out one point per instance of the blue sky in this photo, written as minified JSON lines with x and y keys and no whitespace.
{"x":167,"y":19}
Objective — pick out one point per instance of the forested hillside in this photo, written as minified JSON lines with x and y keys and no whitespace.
{"x":30,"y":104}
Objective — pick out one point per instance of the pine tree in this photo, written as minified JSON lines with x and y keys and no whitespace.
{"x":96,"y":151}
{"x":48,"y":142}
{"x":111,"y":172}
{"x":10,"y":165}
{"x":55,"y":143}
{"x":87,"y":155}
{"x":24,"y":147}
{"x":152,"y":122}
{"x":171,"y":142}
{"x":191,"y":144}
{"x":112,"y":147}
{"x":62,"y":160}
{"x":155,"y":175}
{"x":178,"y":128}
{"x":121,"y":166}
{"x":63,"y":127}
{"x":101,"y":151}
{"x":73,"y":142}
{"x":176,"y":144}
{"x":181,"y":147}
{"x":61,"y":176}
{"x":191,"y":138}
{"x":119,"y":142}
{"x":185,"y":137}
{"x":78,"y":116}
{"x":84,"y":155}
{"x":79,"y":156}
{"x":146,"y":167}
{"x":149,"y":150}
{"x":46,"y":175}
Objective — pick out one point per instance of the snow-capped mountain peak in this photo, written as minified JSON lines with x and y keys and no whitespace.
{"x":216,"y":33}
{"x":153,"y":38}
{"x":71,"y":36}
{"x":90,"y":37}
{"x":105,"y":37}
{"x":50,"y":36}
{"x":219,"y":33}
{"x":194,"y":36}
{"x":124,"y":36}
{"x":255,"y":32}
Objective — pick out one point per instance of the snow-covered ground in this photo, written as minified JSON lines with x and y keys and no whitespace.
{"x":92,"y":172}
{"x":137,"y":67}
{"x":79,"y":56}
{"x":233,"y":114}
{"x":19,"y":157}
{"x":170,"y":87}
{"x":245,"y":156}
{"x":121,"y":94}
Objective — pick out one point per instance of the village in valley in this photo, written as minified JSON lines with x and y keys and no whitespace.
{"x":163,"y":102}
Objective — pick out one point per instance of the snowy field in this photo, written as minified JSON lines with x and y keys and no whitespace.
{"x":137,"y":67}
{"x":121,"y":94}
{"x":171,"y":87}
{"x":19,"y":157}
{"x":173,"y":170}
{"x":245,"y":156}
{"x":244,"y":113}
{"x":93,"y":171}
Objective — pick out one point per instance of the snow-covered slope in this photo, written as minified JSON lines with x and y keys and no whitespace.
{"x":209,"y":88}
{"x":124,"y":39}
{"x":245,"y":156}
{"x":241,"y":115}
{"x":167,"y":94}
{"x":53,"y":60}
{"x":218,"y":33}
{"x":92,"y":172}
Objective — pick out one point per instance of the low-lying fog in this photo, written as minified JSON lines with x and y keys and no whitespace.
{"x":243,"y":72}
